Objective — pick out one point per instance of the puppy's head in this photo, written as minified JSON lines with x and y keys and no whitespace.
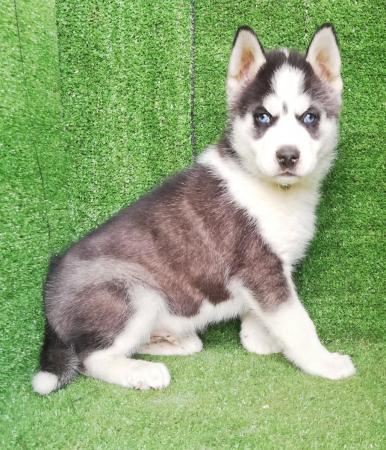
{"x":284,"y":106}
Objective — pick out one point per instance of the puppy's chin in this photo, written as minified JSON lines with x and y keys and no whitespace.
{"x":286,"y":180}
{"x":278,"y":179}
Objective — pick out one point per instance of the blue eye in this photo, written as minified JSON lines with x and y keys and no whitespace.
{"x":309,"y":118}
{"x":263,"y":118}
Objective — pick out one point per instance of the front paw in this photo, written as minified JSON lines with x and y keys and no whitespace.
{"x":333,"y":366}
{"x":259,"y":344}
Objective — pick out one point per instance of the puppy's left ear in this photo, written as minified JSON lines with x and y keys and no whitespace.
{"x":246,"y":59}
{"x":324,"y":57}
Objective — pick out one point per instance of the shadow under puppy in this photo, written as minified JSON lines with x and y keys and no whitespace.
{"x":216,"y":241}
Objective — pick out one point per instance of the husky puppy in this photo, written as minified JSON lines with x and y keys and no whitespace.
{"x":214,"y":242}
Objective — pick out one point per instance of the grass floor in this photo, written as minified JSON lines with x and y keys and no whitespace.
{"x":99,"y":101}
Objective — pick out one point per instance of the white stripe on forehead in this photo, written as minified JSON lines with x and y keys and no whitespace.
{"x":287,"y":85}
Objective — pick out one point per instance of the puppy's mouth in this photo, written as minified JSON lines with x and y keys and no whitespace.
{"x":287,"y":173}
{"x":286,"y":177}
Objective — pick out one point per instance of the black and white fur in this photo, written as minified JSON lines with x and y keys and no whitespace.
{"x":217,"y":241}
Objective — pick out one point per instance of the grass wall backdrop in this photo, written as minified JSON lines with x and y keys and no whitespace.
{"x":99,"y":101}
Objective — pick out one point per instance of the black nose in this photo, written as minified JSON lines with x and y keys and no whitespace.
{"x":287,"y":157}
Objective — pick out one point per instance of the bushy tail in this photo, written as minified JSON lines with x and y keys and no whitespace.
{"x":58,"y":364}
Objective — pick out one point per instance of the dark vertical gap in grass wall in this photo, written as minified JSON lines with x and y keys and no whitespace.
{"x":28,"y":106}
{"x":193,"y":77}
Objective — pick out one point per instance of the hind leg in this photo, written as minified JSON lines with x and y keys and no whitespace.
{"x":163,"y":343}
{"x":129,"y":373}
{"x":112,"y":364}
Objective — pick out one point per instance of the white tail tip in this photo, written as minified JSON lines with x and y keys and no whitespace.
{"x":44,"y":382}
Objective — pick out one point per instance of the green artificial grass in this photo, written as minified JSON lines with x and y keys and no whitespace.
{"x":222,"y":398}
{"x":99,"y":101}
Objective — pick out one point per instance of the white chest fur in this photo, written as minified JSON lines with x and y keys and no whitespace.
{"x":285,"y":218}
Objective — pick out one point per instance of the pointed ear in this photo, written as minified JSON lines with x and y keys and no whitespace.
{"x":246,"y":59}
{"x":324,"y":57}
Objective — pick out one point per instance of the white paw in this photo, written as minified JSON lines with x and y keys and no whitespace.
{"x":191,"y":344}
{"x":333,"y":366}
{"x":262,"y":345}
{"x":148,"y":375}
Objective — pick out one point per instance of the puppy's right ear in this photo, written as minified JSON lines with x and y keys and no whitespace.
{"x":246,"y":59}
